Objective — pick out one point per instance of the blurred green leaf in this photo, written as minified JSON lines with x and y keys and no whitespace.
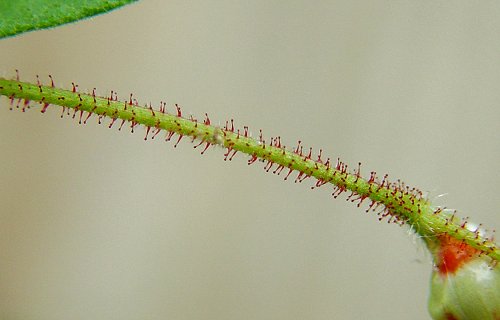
{"x":18,"y":16}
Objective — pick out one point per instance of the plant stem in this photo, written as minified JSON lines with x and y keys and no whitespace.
{"x":394,"y":201}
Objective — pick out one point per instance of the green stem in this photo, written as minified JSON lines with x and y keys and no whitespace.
{"x":395,"y":201}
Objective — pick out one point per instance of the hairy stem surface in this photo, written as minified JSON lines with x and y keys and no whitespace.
{"x":392,"y":200}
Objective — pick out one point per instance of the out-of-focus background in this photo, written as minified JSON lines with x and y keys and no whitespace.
{"x":98,"y":224}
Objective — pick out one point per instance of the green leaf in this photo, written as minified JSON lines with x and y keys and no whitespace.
{"x":18,"y":16}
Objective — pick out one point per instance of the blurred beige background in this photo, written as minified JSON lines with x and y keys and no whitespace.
{"x":97,"y":224}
